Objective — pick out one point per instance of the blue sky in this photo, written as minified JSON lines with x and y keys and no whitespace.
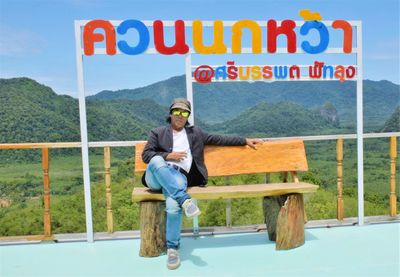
{"x":37,"y":37}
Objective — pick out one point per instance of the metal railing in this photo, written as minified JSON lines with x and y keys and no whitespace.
{"x":107,"y":172}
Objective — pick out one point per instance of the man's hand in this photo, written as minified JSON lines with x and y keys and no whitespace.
{"x":176,"y":156}
{"x":253,"y":142}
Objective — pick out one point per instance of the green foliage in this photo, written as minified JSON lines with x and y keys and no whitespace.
{"x":321,"y":205}
{"x":313,"y":177}
{"x":33,"y":112}
{"x":68,"y":213}
{"x":380,"y":98}
{"x":329,"y":113}
{"x":124,"y":170}
{"x":22,"y":183}
{"x":20,"y":189}
{"x":215,"y":213}
{"x":279,"y":119}
{"x":123,"y":120}
{"x":393,"y":123}
{"x":22,"y":219}
{"x":247,"y":211}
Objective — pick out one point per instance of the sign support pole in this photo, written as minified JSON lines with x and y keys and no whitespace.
{"x":360,"y":131}
{"x":189,"y":85}
{"x":84,"y":136}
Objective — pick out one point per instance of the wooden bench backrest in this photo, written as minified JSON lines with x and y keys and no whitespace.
{"x":271,"y":156}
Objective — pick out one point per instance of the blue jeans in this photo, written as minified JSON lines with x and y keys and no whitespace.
{"x":162,"y":176}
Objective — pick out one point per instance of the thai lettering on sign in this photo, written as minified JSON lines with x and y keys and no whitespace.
{"x":230,"y":71}
{"x":218,"y":46}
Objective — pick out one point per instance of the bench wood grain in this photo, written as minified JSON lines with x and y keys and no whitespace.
{"x":229,"y":192}
{"x":269,"y":157}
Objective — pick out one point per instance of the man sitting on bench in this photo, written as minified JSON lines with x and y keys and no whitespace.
{"x":175,"y":157}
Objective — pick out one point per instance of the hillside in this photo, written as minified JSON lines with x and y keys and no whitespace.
{"x":276,"y":119}
{"x":31,"y":112}
{"x":380,"y":98}
{"x":163,"y":92}
{"x":393,"y":123}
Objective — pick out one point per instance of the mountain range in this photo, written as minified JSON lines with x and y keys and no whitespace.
{"x":218,"y":102}
{"x":31,"y":112}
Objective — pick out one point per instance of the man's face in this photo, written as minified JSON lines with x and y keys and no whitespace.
{"x":179,"y":118}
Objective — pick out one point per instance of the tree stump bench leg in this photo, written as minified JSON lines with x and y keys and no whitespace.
{"x":290,"y":223}
{"x":152,"y":228}
{"x":271,"y":207}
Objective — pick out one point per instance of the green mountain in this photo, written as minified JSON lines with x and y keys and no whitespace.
{"x":393,"y":123}
{"x":276,"y":119}
{"x":123,"y":120}
{"x":31,"y":112}
{"x":163,"y":92}
{"x":329,"y":113}
{"x":218,"y":102}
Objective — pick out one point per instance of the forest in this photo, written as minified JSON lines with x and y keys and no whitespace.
{"x":31,"y":112}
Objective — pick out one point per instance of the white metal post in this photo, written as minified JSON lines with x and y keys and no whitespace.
{"x":189,"y":85}
{"x":84,"y":136}
{"x":360,"y":129}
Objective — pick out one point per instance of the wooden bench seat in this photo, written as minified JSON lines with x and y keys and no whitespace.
{"x":230,"y":192}
{"x":282,"y":202}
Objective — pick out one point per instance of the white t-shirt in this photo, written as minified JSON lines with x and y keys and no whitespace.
{"x":181,"y":144}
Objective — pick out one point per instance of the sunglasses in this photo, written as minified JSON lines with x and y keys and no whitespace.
{"x":185,"y":114}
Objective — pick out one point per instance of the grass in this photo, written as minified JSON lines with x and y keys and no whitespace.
{"x":65,"y":172}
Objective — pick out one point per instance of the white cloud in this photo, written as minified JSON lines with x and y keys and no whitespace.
{"x":20,"y":43}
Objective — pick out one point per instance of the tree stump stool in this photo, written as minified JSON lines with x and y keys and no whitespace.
{"x":285,"y":220}
{"x":152,"y":228}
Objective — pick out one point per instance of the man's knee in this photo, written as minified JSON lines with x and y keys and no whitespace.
{"x":172,"y":206}
{"x":157,"y":162}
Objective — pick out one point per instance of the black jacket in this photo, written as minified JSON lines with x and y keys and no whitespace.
{"x":160,"y":143}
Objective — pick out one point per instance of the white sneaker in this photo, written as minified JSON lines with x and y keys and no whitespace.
{"x":173,"y":260}
{"x":190,"y":208}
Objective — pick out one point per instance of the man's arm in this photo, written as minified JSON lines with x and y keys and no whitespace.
{"x":210,"y":139}
{"x":150,"y":150}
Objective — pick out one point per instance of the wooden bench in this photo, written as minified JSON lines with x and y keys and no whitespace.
{"x":283,"y":202}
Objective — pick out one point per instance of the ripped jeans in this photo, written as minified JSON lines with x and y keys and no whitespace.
{"x":162,"y":176}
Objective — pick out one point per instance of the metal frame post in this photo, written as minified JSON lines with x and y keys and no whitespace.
{"x":189,"y":84}
{"x":360,"y":127}
{"x":84,"y":136}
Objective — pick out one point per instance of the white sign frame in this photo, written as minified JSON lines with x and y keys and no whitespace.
{"x":189,"y":85}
